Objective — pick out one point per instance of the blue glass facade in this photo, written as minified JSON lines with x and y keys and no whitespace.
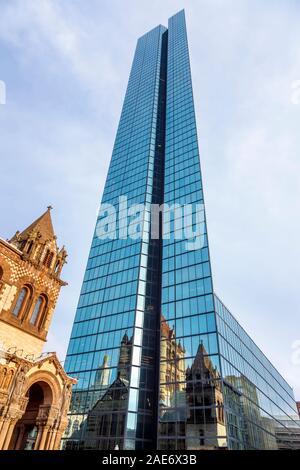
{"x":160,"y":361}
{"x":188,"y":327}
{"x":256,"y":397}
{"x":112,"y":346}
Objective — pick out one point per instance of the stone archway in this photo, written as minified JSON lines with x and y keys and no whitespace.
{"x":34,"y":416}
{"x":29,"y":430}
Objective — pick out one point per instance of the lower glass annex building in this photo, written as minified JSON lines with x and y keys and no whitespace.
{"x":161,"y":363}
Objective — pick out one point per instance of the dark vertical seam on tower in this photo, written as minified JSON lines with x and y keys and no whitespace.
{"x":159,"y":168}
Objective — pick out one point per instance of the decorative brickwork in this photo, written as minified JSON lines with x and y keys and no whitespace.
{"x":35,"y":391}
{"x":31,"y":264}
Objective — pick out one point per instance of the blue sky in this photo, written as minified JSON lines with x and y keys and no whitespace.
{"x":66,"y":66}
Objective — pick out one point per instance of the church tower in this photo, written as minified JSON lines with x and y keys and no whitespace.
{"x":35,"y":391}
{"x":30,"y":282}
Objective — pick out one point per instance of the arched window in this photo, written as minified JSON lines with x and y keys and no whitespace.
{"x":21,"y":301}
{"x":22,"y":245}
{"x":38,"y":310}
{"x":29,"y":247}
{"x":48,"y":258}
{"x":57,"y":266}
{"x":1,"y":275}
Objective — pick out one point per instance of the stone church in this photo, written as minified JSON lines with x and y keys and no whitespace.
{"x":35,"y":391}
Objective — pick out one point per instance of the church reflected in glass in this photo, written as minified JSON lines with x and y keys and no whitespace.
{"x":160,"y":361}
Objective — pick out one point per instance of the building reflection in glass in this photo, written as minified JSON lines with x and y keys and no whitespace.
{"x":105,"y":405}
{"x":191,"y":398}
{"x":198,"y":408}
{"x":107,"y":416}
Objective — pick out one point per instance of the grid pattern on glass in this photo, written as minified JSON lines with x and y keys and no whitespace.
{"x":190,"y":396}
{"x":113,"y":338}
{"x":157,"y":354}
{"x":256,"y":395}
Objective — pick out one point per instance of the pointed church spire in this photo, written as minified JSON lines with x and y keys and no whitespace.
{"x":41,"y":227}
{"x":38,"y":244}
{"x":125,"y":338}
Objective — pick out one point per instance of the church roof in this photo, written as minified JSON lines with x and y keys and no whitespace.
{"x":43,"y":225}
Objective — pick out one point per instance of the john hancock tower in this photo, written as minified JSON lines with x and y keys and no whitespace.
{"x":161,"y":363}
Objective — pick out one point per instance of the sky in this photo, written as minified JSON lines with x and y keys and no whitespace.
{"x":66,"y":66}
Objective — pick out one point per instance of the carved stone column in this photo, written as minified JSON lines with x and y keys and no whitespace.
{"x":2,"y":421}
{"x":3,"y":409}
{"x":51,"y":440}
{"x":20,"y":437}
{"x":39,"y":436}
{"x":9,"y":432}
{"x":4,"y":429}
{"x":48,"y":438}
{"x":58,"y":436}
{"x":44,"y":437}
{"x":45,"y":421}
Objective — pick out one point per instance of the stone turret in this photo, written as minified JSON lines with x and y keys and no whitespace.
{"x":30,"y":270}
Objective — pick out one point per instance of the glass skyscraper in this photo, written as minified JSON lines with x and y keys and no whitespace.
{"x":161,"y":363}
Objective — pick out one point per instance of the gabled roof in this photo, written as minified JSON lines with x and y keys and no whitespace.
{"x":119,"y":384}
{"x":43,"y":225}
{"x":52,"y":357}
